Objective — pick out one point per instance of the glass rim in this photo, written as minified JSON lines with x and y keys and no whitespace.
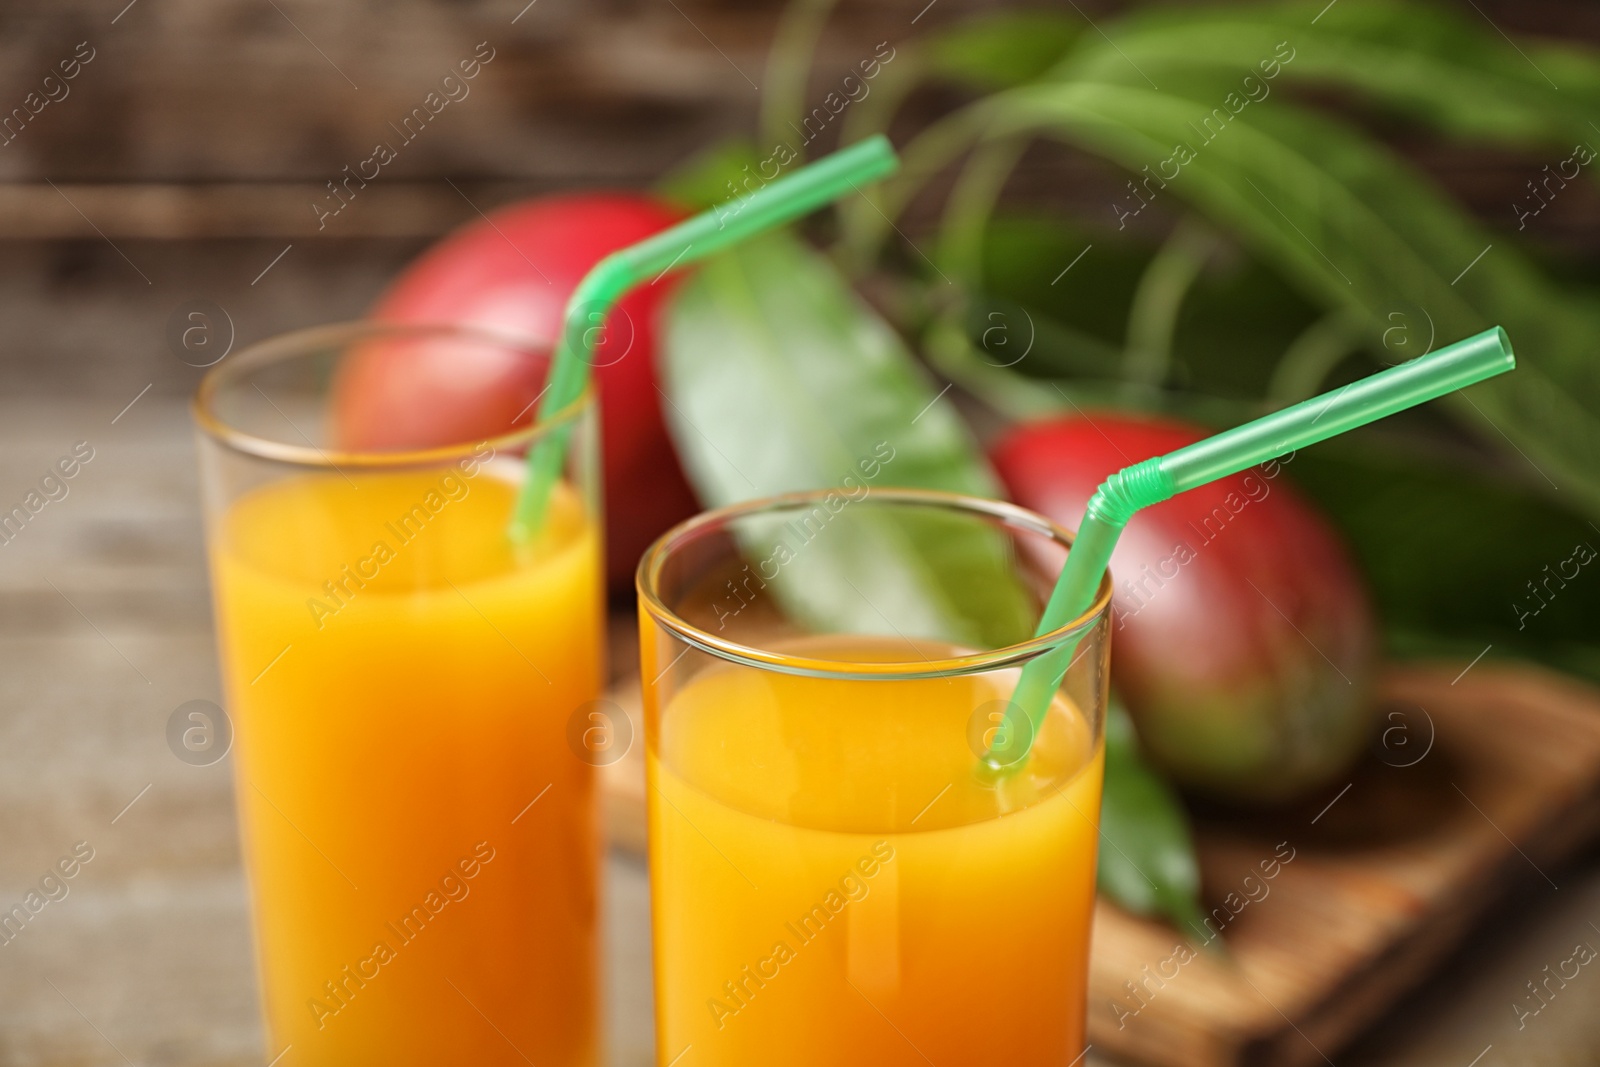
{"x":282,"y":347}
{"x":647,"y":578}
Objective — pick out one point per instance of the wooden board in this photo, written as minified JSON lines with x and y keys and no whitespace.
{"x":1331,"y":910}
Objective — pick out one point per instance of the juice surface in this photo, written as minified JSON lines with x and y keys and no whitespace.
{"x":834,"y":883}
{"x":400,"y":680}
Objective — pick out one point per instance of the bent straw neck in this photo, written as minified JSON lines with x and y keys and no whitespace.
{"x":1111,"y":507}
{"x":596,"y":293}
{"x":1125,"y":492}
{"x":705,"y":234}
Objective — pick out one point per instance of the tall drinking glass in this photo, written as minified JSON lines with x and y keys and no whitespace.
{"x":422,"y":844}
{"x":839,"y":873}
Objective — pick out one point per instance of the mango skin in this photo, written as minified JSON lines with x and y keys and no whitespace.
{"x":1244,"y":641}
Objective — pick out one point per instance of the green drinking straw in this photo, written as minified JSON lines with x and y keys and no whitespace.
{"x":811,"y":187}
{"x":1161,"y":477}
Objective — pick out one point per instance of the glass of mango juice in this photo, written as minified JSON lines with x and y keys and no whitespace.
{"x":421,"y":843}
{"x":846,"y":868}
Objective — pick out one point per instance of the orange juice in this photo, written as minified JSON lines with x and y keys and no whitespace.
{"x":834,"y":883}
{"x":421,"y":843}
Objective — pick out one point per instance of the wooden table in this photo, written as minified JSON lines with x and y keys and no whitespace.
{"x":105,"y":629}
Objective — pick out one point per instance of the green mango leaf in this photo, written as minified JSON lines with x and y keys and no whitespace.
{"x":779,"y":378}
{"x":1232,"y":328}
{"x":1418,"y":523}
{"x":1010,"y":335}
{"x":1446,"y":68}
{"x":1147,"y":857}
{"x":1356,"y":229}
{"x":1002,"y":50}
{"x":1350,"y":226}
{"x":710,"y":177}
{"x":1070,"y":273}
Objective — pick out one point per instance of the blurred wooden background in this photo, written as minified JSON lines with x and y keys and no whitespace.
{"x":224,"y":119}
{"x":181,"y":166}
